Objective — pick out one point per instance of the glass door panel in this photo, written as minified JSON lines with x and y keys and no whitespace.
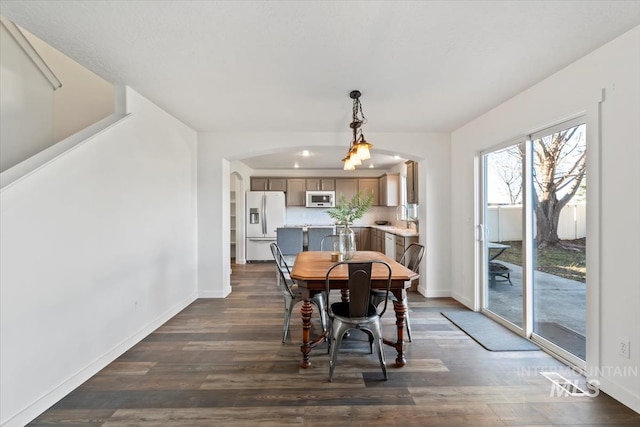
{"x":503,"y":189}
{"x":559,"y":238}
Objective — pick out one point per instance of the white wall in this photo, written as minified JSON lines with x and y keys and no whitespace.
{"x":84,"y":97}
{"x":26,"y":109}
{"x":216,"y":150}
{"x":241,"y":172}
{"x":606,"y":80}
{"x":98,"y":248}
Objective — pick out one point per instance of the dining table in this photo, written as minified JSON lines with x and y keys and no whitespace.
{"x":310,"y":270}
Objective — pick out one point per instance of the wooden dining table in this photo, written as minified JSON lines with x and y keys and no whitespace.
{"x":309,"y":271}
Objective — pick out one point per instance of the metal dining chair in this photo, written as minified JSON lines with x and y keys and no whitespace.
{"x":293,"y":294}
{"x":411,"y":259}
{"x":315,"y":236}
{"x":330,"y":242}
{"x":358,"y":312}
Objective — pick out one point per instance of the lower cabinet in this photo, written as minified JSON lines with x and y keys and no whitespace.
{"x":372,"y":239}
{"x":363,"y":238}
{"x":402,"y":243}
{"x":377,"y":240}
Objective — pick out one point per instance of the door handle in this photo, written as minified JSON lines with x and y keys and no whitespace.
{"x":264,"y":214}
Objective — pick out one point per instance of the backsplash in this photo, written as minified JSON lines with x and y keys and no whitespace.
{"x":319,"y":216}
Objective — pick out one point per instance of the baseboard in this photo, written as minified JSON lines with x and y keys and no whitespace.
{"x":215,"y":294}
{"x":434,"y":293}
{"x":621,"y":394}
{"x":463,"y":300}
{"x":33,"y":410}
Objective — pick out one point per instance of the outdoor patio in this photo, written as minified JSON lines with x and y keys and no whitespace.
{"x":561,"y":307}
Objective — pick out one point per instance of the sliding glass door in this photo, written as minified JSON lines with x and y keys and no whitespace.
{"x":533,"y":221}
{"x":559,"y":238}
{"x":503,"y":190}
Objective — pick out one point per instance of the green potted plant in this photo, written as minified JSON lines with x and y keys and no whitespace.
{"x":345,"y":213}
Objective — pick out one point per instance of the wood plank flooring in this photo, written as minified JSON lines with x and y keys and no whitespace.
{"x":221,"y":362}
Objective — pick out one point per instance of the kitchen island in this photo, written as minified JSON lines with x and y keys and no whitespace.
{"x":388,"y":239}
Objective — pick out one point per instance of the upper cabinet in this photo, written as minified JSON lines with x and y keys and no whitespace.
{"x":412,"y":181}
{"x":321,"y":184}
{"x":268,"y":184}
{"x":389,"y":189}
{"x":296,"y":192}
{"x":347,"y":187}
{"x":385,"y":189}
{"x":370,"y":186}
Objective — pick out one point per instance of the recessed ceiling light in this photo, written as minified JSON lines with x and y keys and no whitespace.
{"x":305,"y":153}
{"x":396,"y":157}
{"x":296,"y":165}
{"x":371,"y":166}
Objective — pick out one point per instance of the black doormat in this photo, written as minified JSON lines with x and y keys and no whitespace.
{"x":489,"y":334}
{"x":563,"y":337}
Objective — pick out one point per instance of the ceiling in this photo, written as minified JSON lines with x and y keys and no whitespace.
{"x":281,"y":66}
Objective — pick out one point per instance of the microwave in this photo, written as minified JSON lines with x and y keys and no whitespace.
{"x":321,"y":199}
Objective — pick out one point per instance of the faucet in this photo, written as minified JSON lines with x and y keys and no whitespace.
{"x":402,"y":214}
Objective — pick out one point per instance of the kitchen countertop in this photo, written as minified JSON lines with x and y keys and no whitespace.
{"x":399,"y":231}
{"x":305,"y":226}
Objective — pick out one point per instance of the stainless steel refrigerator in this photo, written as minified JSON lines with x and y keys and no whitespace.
{"x":265,"y":213}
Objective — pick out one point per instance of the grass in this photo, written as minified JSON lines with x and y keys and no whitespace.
{"x":569,"y":262}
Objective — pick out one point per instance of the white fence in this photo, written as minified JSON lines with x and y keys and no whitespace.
{"x":505,"y":222}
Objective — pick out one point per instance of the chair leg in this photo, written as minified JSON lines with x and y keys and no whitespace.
{"x":377,"y":332}
{"x":371,"y":339}
{"x":319,"y":301}
{"x":407,"y":323}
{"x":337,"y":331}
{"x":376,"y":301}
{"x":287,"y":317}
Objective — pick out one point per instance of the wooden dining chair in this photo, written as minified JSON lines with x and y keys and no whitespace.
{"x":358,"y":312}
{"x":411,"y":259}
{"x":293,"y":294}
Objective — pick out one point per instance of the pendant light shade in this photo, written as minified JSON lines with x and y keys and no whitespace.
{"x":362,"y":148}
{"x":359,"y":148}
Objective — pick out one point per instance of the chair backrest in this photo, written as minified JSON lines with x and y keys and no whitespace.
{"x":360,"y":283}
{"x":283,"y":268}
{"x":315,"y":236}
{"x":412,"y":256}
{"x":290,"y":240}
{"x":330,"y":243}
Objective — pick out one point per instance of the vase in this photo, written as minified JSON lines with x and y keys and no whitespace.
{"x":347,"y":241}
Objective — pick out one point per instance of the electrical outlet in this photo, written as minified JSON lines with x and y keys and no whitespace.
{"x":623,"y":348}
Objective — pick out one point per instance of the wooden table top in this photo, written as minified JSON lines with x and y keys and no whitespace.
{"x":313,"y":266}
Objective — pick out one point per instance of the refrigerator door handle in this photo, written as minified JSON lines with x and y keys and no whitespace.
{"x":264,"y":214}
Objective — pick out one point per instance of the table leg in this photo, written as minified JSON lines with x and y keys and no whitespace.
{"x":400,"y":310}
{"x":306,"y":310}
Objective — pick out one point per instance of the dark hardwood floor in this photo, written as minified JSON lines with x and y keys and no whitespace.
{"x":220,"y":362}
